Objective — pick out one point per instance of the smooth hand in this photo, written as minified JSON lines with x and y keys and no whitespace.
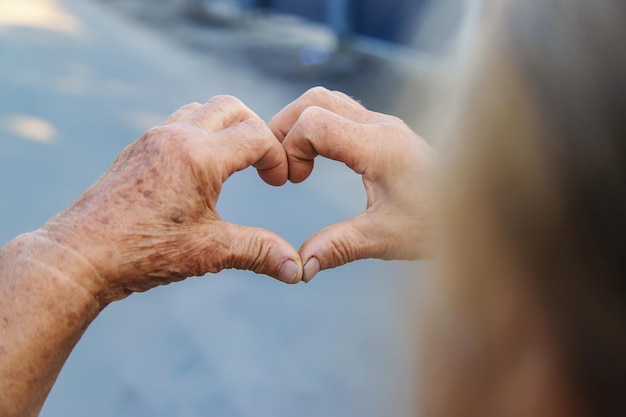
{"x":395,"y":165}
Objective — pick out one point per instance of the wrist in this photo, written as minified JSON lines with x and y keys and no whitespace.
{"x":63,"y":263}
{"x":46,"y":303}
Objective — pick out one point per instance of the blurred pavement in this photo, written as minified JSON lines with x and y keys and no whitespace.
{"x":78,"y":82}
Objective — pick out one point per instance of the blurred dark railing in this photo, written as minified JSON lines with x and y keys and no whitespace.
{"x":388,"y":20}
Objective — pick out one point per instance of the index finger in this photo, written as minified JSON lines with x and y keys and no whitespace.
{"x":321,"y":132}
{"x":219,"y":113}
{"x":252,"y":143}
{"x":333,"y":101}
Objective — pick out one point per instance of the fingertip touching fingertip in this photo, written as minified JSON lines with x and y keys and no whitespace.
{"x":311,"y":268}
{"x":289,"y":272}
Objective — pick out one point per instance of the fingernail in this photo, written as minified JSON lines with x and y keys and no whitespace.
{"x":311,"y":268}
{"x":288,"y":271}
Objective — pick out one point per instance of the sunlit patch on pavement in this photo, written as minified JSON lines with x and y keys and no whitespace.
{"x":39,"y":14}
{"x":30,"y":128}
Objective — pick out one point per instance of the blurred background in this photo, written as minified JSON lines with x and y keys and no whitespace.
{"x":79,"y":80}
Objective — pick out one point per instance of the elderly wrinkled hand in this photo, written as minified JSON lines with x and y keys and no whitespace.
{"x":151,"y":218}
{"x":395,"y":165}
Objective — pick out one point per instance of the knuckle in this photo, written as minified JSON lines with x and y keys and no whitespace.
{"x":156,"y":134}
{"x":397,"y":131}
{"x":310,"y":120}
{"x":347,"y":97}
{"x":311,"y":115}
{"x":257,"y":126}
{"x":398,"y":136}
{"x":169,"y":139}
{"x":317,"y":94}
{"x":254,"y":133}
{"x":190,"y":106}
{"x":167,"y":133}
{"x":396,"y":121}
{"x":226,"y":100}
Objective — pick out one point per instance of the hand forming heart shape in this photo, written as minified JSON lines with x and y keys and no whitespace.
{"x":151,"y":218}
{"x":395,"y":165}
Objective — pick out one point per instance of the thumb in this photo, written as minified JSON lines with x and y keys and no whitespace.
{"x":258,"y":250}
{"x":340,"y":244}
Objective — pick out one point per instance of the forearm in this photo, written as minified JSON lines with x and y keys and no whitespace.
{"x":44,"y":310}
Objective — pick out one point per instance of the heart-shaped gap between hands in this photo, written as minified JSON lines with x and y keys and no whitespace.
{"x":151,"y":218}
{"x":294,"y":211}
{"x":395,"y":165}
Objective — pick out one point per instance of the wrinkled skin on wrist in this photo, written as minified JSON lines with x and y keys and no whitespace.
{"x":151,"y":218}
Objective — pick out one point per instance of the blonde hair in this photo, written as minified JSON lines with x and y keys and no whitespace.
{"x":542,"y":134}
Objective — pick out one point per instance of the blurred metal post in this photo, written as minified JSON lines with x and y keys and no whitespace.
{"x":263,"y":5}
{"x":248,"y":4}
{"x":339,"y":18}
